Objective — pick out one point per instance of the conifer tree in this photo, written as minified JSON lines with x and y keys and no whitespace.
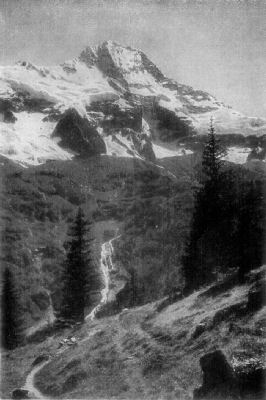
{"x":212,"y":156}
{"x":250,"y":234}
{"x":78,"y":271}
{"x":201,"y":248}
{"x":11,"y":323}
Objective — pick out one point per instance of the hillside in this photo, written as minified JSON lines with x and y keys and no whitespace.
{"x":153,"y":351}
{"x":38,"y":204}
{"x":147,"y":206}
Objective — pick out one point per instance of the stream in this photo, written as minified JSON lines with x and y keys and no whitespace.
{"x":106,"y":265}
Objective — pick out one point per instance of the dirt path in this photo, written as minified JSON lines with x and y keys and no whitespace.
{"x":106,"y":267}
{"x":29,"y":385}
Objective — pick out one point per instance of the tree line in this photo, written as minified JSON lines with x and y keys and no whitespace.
{"x":228,"y":224}
{"x":78,"y":280}
{"x":227,"y":234}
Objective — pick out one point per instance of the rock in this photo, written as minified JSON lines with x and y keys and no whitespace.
{"x":218,"y":378}
{"x":252,"y":383}
{"x":116,"y":117}
{"x":70,"y":341}
{"x":250,"y":373}
{"x":170,"y":125}
{"x":20,"y":394}
{"x":245,"y":378}
{"x":6,"y":114}
{"x":77,"y":134}
{"x":144,"y":147}
{"x":257,"y":153}
{"x":39,"y":359}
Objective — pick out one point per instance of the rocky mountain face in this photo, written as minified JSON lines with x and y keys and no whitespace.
{"x":76,"y":133}
{"x":127,"y":102}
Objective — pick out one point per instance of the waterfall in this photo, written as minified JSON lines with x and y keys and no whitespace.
{"x":106,"y":265}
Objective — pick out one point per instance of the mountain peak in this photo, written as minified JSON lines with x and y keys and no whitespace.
{"x":120,"y":55}
{"x":126,"y":64}
{"x":110,"y":85}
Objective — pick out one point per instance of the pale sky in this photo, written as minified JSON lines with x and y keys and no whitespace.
{"x":214,"y":45}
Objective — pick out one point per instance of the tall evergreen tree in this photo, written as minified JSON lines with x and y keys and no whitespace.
{"x":228,"y":223}
{"x":212,"y":156}
{"x":202,"y":247}
{"x":78,"y":271}
{"x":250,"y":234}
{"x":11,"y":334}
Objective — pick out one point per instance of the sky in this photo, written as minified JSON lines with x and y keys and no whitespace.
{"x":214,"y":45}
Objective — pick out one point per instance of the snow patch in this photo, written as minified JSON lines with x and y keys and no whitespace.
{"x":163,"y":152}
{"x":237,"y":155}
{"x":28,"y":141}
{"x":120,"y":146}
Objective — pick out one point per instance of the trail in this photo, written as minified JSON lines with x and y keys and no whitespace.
{"x":106,"y":265}
{"x":29,"y":385}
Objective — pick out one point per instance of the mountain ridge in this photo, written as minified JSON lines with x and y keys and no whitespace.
{"x":115,"y":88}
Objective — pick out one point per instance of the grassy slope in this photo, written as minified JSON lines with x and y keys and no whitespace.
{"x":149,"y":351}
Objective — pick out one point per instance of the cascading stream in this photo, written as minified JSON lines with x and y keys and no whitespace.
{"x":106,"y":265}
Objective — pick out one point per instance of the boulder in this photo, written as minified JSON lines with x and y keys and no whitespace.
{"x":78,"y":134}
{"x":252,"y":383}
{"x":250,"y":373}
{"x":20,"y":394}
{"x":219,"y":381}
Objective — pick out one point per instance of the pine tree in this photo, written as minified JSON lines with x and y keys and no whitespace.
{"x":202,"y":247}
{"x":212,"y":156}
{"x":11,"y":315}
{"x":250,"y":235}
{"x":78,"y":271}
{"x":227,"y":228}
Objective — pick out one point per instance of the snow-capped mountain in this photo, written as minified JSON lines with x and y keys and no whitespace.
{"x":111,"y":99}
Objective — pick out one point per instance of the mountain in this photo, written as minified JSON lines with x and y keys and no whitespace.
{"x":124,"y":99}
{"x":109,"y":133}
